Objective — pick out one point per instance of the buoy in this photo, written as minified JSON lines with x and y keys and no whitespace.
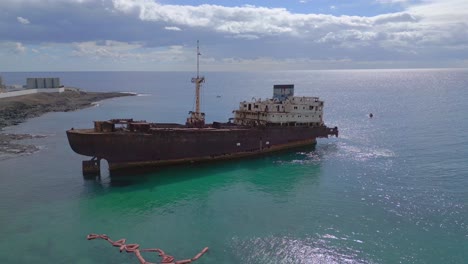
{"x":371,"y":115}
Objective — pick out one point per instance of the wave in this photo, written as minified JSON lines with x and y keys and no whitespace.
{"x":136,"y":94}
{"x":364,"y":153}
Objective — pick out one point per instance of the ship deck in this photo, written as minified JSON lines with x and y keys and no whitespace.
{"x":159,"y":129}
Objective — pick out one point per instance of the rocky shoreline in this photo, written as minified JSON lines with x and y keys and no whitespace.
{"x":14,"y":110}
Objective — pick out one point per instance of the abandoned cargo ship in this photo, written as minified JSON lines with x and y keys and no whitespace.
{"x":258,"y":126}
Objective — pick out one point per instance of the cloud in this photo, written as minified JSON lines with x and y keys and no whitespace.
{"x":105,"y":49}
{"x":236,"y":20}
{"x":91,"y":21}
{"x":350,"y":38}
{"x":251,"y":22}
{"x":120,"y":51}
{"x":249,"y":19}
{"x":19,"y":48}
{"x":401,"y":17}
{"x":118,"y":30}
{"x":23,"y":20}
{"x":393,"y":1}
{"x":13,"y":48}
{"x":172,"y":28}
{"x":246,"y":36}
{"x":386,"y":31}
{"x":441,"y":12}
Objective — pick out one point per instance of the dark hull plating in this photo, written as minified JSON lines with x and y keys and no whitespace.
{"x":123,"y":149}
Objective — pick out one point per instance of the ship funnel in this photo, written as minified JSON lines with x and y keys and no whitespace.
{"x":283,"y":91}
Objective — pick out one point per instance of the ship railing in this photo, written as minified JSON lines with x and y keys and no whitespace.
{"x":121,"y":120}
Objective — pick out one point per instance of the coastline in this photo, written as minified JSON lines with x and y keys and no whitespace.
{"x":15,"y":110}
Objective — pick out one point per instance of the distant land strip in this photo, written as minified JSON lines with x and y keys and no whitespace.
{"x":14,"y":110}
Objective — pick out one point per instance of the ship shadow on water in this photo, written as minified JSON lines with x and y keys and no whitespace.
{"x":308,"y":159}
{"x":278,"y":176}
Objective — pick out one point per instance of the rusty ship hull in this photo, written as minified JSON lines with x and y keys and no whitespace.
{"x":168,"y":144}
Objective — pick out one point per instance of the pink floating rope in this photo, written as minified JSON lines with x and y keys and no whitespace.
{"x":200,"y":254}
{"x":134,"y":248}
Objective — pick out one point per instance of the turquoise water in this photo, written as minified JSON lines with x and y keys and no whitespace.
{"x":392,"y":189}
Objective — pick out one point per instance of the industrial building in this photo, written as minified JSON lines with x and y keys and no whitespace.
{"x":2,"y":86}
{"x":38,"y":83}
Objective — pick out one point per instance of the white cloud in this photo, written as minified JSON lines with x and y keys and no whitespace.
{"x":120,"y":51}
{"x":349,"y":38}
{"x":246,"y":19}
{"x":420,"y":28}
{"x":107,"y":49}
{"x":245,"y":36}
{"x":28,"y":2}
{"x":16,"y":48}
{"x":427,"y":24}
{"x":23,"y":20}
{"x":251,"y":22}
{"x":236,"y":20}
{"x":172,"y":28}
{"x":445,"y":12}
{"x":19,"y":48}
{"x":392,"y":1}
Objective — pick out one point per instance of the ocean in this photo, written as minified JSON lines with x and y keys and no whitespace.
{"x":391,"y":189}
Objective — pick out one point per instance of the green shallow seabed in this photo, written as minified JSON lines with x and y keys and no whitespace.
{"x":285,"y":208}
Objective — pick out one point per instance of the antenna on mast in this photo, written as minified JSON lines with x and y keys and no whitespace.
{"x":198,"y":58}
{"x":197,"y":118}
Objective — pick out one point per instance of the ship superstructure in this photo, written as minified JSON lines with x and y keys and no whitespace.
{"x":284,"y":109}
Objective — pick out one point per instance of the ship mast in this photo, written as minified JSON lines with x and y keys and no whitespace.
{"x":197,"y":81}
{"x":197,"y":118}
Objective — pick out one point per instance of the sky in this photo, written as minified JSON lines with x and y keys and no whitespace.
{"x":237,"y":35}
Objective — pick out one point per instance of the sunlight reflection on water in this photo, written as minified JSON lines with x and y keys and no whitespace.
{"x":294,"y":250}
